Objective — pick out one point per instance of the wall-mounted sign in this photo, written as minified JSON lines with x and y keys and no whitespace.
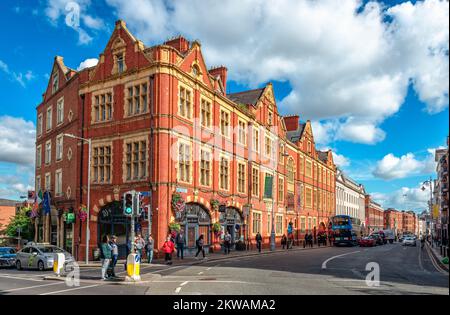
{"x":182,"y":190}
{"x":222,"y":208}
{"x":192,"y":219}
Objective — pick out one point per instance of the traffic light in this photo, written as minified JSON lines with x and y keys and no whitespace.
{"x":137,"y":205}
{"x":128,"y":204}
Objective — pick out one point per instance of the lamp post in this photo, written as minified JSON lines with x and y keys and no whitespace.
{"x":430,"y":183}
{"x":89,"y":141}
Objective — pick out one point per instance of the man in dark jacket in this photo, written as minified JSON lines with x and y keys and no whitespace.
{"x":180,"y":240}
{"x":258,"y":241}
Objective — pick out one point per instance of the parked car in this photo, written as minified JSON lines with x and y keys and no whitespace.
{"x":41,"y":257}
{"x":378,"y":238}
{"x":7,"y":257}
{"x":409,"y":241}
{"x":368,"y":241}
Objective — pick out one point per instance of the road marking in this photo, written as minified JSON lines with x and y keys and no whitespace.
{"x":35,"y":286}
{"x":20,"y":278}
{"x":72,"y":289}
{"x":177,"y":290}
{"x":324,"y":264}
{"x":200,"y":273}
{"x":435,"y":264}
{"x":184,"y":283}
{"x":209,"y":268}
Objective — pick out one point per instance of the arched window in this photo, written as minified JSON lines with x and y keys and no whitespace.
{"x":290,"y":170}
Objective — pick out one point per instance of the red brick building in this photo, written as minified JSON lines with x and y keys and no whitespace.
{"x":393,"y":220}
{"x":409,"y":222}
{"x":374,"y":215}
{"x":162,"y":122}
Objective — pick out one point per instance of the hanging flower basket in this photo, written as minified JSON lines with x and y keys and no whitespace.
{"x":215,"y":204}
{"x":216,"y":227}
{"x":82,"y":213}
{"x":174,"y":227}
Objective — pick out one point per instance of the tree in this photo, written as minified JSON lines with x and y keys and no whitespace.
{"x":21,"y":220}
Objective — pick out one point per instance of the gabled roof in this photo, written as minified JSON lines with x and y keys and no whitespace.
{"x":295,"y":135}
{"x":250,"y":97}
{"x":323,"y":156}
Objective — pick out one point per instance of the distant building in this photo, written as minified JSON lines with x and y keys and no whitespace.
{"x":393,"y":220}
{"x":374,"y":215}
{"x":7,"y":212}
{"x":441,"y":196}
{"x":350,"y":197}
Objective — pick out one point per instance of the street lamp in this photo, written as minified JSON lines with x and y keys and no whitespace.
{"x":430,"y":183}
{"x":89,"y":141}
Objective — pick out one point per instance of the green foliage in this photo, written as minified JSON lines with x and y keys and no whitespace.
{"x":20,"y":220}
{"x":174,"y":226}
{"x":216,"y":227}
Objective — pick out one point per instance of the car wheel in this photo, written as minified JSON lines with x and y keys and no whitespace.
{"x":41,"y":266}
{"x":18,"y":265}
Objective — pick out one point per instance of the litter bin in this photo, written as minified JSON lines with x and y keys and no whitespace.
{"x":96,"y":254}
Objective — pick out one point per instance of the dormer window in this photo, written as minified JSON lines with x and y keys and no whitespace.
{"x":270,"y":118}
{"x":55,"y":82}
{"x":120,"y":63}
{"x":195,"y":71}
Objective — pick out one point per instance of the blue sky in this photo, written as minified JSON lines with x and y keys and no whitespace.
{"x":388,"y":86}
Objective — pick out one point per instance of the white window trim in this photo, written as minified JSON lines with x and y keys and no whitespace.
{"x":191,"y":99}
{"x":261,"y":222}
{"x":229,"y":172}
{"x":49,"y":109}
{"x":40,"y":126}
{"x":259,"y":182}
{"x":241,"y":162}
{"x":50,"y":154}
{"x":39,"y":149}
{"x":49,"y":176}
{"x":245,"y":132}
{"x":38,"y":183}
{"x":211,"y":118}
{"x":228,"y":136}
{"x":211,"y":167}
{"x":58,"y":103}
{"x":191,"y":169}
{"x":58,"y":186}
{"x":59,"y":137}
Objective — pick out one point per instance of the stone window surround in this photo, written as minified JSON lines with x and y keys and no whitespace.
{"x":98,"y":144}
{"x":211,"y":169}
{"x":48,"y":158}
{"x":228,"y":133}
{"x":60,"y":136}
{"x":49,"y":110}
{"x":139,"y":83}
{"x":38,"y":183}
{"x":241,"y":162}
{"x":191,"y":168}
{"x":191,"y":100}
{"x":58,"y":103}
{"x":48,"y":185}
{"x":135,"y":138}
{"x":211,"y":112}
{"x":257,"y":193}
{"x":229,"y":165}
{"x":279,"y":215}
{"x":39,"y":153}
{"x":59,"y":192}
{"x":240,"y":121}
{"x":40,"y":125}
{"x":99,"y":93}
{"x":260,"y":221}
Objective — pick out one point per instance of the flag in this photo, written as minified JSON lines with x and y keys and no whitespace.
{"x":46,"y":202}
{"x":39,"y":197}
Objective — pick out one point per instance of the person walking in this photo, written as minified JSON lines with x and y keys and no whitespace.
{"x":180,"y":241}
{"x":200,"y":243}
{"x":114,"y":254}
{"x":283,"y":241}
{"x":149,"y":248}
{"x":227,"y":242}
{"x":168,"y":248}
{"x":258,"y":241}
{"x":106,"y":255}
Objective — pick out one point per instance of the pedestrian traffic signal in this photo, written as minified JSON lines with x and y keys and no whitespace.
{"x":128,"y":204}
{"x":137,"y":204}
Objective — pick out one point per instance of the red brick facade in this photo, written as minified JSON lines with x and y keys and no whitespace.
{"x":160,"y":121}
{"x":374,"y":215}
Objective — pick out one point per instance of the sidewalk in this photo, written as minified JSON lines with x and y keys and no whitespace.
{"x":435,"y":252}
{"x":190,"y":260}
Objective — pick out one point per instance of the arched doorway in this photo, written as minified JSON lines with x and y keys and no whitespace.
{"x":195,"y":221}
{"x":231,"y":221}
{"x":111,"y":221}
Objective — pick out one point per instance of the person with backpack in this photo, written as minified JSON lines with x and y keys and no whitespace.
{"x":227,"y":242}
{"x":149,"y":248}
{"x":180,"y":240}
{"x":168,"y":248}
{"x":258,"y":241}
{"x":199,"y":243}
{"x":105,"y":255}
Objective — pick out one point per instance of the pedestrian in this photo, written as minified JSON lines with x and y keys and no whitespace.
{"x":227,"y":242}
{"x":258,"y":241}
{"x":106,"y":255}
{"x":114,"y":254}
{"x":139,"y":244}
{"x":149,"y":247}
{"x":180,"y":241}
{"x":199,"y":243}
{"x":311,"y":240}
{"x":168,"y":248}
{"x":283,"y":241}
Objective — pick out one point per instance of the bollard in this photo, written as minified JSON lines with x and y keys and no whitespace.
{"x":58,"y":263}
{"x":133,"y":268}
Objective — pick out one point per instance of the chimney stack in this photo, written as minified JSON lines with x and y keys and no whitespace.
{"x":179,"y":43}
{"x":222,"y":72}
{"x":291,"y":122}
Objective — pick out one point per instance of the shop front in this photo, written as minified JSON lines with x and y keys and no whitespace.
{"x":111,"y":221}
{"x":195,"y":221}
{"x":231,"y":220}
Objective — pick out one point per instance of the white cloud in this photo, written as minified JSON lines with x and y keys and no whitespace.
{"x":392,"y":167}
{"x":405,"y":198}
{"x":17,"y":137}
{"x":350,"y":69}
{"x":87,"y":63}
{"x":20,"y":78}
{"x":74,"y":12}
{"x":340,"y":160}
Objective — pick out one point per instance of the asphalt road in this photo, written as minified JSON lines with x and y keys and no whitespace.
{"x":402,"y":270}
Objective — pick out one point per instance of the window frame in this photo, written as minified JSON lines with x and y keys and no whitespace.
{"x":60,"y":111}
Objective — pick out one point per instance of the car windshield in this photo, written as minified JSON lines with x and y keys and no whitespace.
{"x":5,"y":251}
{"x":50,"y":249}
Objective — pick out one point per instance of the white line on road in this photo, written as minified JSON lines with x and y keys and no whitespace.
{"x":34,"y":286}
{"x":184,"y":283}
{"x":177,"y":290}
{"x":73,"y":289}
{"x":200,"y":273}
{"x":324,"y":264}
{"x":209,"y":268}
{"x":20,"y":278}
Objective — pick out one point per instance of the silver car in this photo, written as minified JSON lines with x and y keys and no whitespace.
{"x":409,"y":241}
{"x":41,"y":257}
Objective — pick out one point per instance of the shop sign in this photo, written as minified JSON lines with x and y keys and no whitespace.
{"x":70,"y":218}
{"x":192,"y":220}
{"x":230,"y":221}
